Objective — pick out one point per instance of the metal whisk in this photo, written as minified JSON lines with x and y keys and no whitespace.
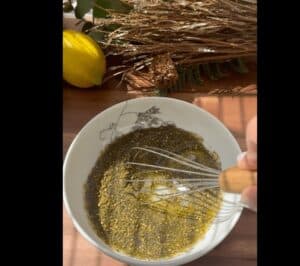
{"x":190,"y":184}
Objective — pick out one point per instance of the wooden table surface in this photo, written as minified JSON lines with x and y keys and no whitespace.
{"x":238,"y":249}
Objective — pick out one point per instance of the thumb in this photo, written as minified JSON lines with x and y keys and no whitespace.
{"x":248,"y":160}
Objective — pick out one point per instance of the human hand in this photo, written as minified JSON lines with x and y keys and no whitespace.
{"x":248,"y":160}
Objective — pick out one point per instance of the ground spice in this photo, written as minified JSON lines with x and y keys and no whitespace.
{"x":117,"y":208}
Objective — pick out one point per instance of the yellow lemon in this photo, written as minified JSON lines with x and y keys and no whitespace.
{"x":83,"y":60}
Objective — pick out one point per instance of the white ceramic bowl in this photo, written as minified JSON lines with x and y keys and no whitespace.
{"x":120,"y":119}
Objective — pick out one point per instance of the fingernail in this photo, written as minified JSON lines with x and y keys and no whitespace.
{"x":245,"y":204}
{"x":241,"y":156}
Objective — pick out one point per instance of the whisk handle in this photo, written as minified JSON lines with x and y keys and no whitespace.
{"x":235,"y":180}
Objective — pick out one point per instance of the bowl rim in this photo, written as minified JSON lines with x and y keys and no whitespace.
{"x":120,"y":256}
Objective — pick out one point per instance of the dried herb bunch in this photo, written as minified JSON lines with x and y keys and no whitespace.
{"x":173,"y":36}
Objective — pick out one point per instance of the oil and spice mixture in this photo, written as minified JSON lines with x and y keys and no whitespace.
{"x":138,"y":224}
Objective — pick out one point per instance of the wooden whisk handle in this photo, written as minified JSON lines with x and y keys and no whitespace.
{"x":235,"y":180}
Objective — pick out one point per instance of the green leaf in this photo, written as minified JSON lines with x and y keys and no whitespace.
{"x":207,"y":70}
{"x":163,"y":92}
{"x":196,"y":75}
{"x":239,"y":66}
{"x":156,"y":92}
{"x":67,"y":7}
{"x":115,"y":5}
{"x":183,"y":78}
{"x":83,"y":7}
{"x":97,"y":36}
{"x":99,"y":12}
{"x":180,"y":80}
{"x":189,"y":75}
{"x":218,"y":72}
{"x":175,"y":88}
{"x":111,"y":27}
